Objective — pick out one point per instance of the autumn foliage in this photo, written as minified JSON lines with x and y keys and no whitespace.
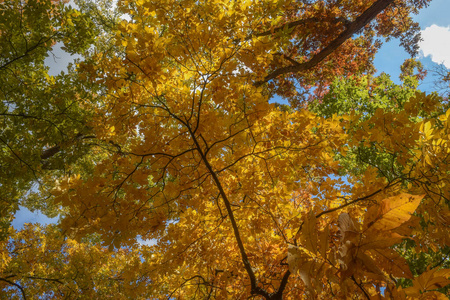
{"x":176,"y":175}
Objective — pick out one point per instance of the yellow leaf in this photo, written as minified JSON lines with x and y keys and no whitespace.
{"x":394,"y":211}
{"x":426,"y":127}
{"x":289,"y":234}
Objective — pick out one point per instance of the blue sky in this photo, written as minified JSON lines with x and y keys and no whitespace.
{"x":435,"y":47}
{"x":435,"y":24}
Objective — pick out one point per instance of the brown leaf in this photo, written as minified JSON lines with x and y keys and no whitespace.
{"x":345,"y":224}
{"x":433,"y":279}
{"x":391,"y":262}
{"x":380,"y":241}
{"x":406,"y":228}
{"x":348,"y":239}
{"x":369,"y":264}
{"x":324,"y":242}
{"x":306,"y":272}
{"x":294,"y":258}
{"x":309,"y":232}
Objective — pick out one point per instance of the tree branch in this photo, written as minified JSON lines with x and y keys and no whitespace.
{"x":47,"y":153}
{"x":46,"y":279}
{"x":357,"y":200}
{"x":41,"y":43}
{"x":351,"y":29}
{"x":296,"y":23}
{"x":361,"y":287}
{"x":255,"y":289}
{"x":279,"y":294}
{"x":16,"y":285}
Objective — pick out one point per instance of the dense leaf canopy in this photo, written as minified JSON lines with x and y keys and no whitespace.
{"x":166,"y":131}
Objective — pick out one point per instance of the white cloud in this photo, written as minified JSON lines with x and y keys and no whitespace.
{"x":436,"y":43}
{"x":149,"y":242}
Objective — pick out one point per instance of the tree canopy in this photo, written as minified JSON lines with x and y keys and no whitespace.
{"x":168,"y":131}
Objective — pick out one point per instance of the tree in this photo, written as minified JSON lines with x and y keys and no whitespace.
{"x":240,"y":197}
{"x":39,"y":113}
